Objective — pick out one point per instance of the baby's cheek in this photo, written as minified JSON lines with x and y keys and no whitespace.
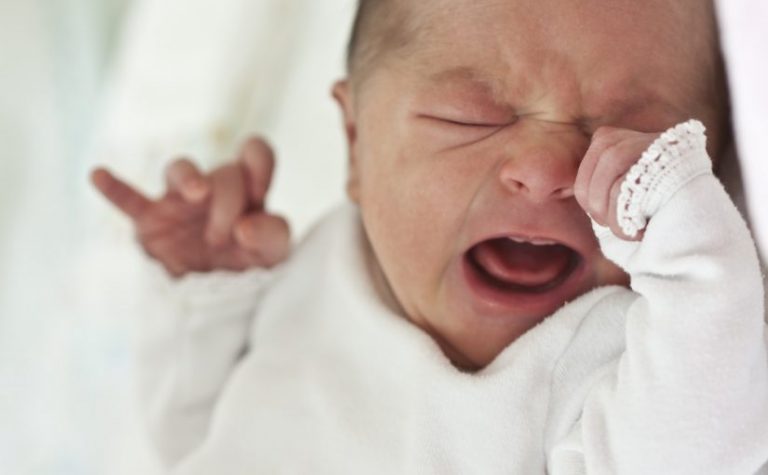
{"x":413,"y":215}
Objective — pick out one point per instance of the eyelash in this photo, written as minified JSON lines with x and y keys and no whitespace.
{"x":470,"y":124}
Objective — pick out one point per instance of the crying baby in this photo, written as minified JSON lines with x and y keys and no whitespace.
{"x":537,"y":270}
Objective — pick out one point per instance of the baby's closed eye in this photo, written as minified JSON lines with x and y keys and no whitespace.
{"x":470,"y":121}
{"x":454,"y":128}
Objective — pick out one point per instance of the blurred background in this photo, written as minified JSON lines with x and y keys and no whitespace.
{"x":132,"y":84}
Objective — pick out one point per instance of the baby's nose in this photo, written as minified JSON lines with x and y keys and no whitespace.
{"x":540,"y":176}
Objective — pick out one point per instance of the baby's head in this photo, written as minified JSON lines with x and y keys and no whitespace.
{"x":467,"y":121}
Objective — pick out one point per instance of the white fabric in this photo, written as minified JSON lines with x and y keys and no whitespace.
{"x":671,"y":377}
{"x":65,"y":390}
{"x":744,"y":31}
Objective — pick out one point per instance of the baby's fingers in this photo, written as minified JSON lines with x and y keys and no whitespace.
{"x":603,"y":139}
{"x":228,"y":201}
{"x":258,"y":162}
{"x":614,"y":164}
{"x":265,"y":236}
{"x":119,"y":193}
{"x":183,"y":177}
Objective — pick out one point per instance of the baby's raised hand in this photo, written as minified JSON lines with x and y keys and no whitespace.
{"x":610,"y":156}
{"x":207,"y":222}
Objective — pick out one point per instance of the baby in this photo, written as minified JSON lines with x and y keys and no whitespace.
{"x":463,"y":314}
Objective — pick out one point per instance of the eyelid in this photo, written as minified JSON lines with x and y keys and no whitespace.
{"x":468,"y":122}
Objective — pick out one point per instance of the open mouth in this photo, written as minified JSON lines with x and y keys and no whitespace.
{"x":517,"y":265}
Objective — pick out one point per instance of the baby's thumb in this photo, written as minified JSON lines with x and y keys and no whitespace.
{"x":267,"y":236}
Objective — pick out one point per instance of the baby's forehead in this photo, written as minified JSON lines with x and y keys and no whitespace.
{"x":516,"y":43}
{"x":540,"y":24}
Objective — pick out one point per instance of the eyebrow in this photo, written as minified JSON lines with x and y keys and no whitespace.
{"x":469,"y":75}
{"x":642,"y":99}
{"x":459,"y":72}
{"x":462,"y":73}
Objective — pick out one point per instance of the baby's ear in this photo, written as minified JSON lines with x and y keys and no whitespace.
{"x":342,"y":93}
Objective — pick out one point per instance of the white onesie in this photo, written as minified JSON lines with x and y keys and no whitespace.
{"x":309,"y":370}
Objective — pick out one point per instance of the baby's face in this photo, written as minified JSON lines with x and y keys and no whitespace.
{"x":466,"y":144}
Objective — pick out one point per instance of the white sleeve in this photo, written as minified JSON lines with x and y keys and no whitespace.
{"x":192,"y":336}
{"x":690,"y":393}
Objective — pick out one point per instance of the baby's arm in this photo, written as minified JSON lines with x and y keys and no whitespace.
{"x":195,"y":329}
{"x":690,"y":393}
{"x":192,"y":336}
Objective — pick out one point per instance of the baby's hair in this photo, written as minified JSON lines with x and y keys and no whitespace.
{"x":361,"y":19}
{"x":360,"y":40}
{"x":380,"y":26}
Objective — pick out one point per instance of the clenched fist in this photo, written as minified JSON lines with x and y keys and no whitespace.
{"x":205,"y":222}
{"x":610,"y":156}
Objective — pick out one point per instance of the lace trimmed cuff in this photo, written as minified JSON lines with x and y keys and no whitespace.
{"x":675,"y":158}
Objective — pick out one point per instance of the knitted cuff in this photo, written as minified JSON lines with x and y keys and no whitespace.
{"x":675,"y":158}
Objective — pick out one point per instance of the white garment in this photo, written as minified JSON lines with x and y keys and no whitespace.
{"x":671,"y":377}
{"x":744,"y":32}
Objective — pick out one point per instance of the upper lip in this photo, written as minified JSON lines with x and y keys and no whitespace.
{"x":538,"y":241}
{"x":536,"y":238}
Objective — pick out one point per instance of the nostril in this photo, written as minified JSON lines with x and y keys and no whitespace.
{"x":564,"y":193}
{"x":515,"y":185}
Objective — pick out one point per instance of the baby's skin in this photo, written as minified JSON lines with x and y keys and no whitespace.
{"x":479,"y":149}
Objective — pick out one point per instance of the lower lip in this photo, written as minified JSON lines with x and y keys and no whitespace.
{"x":493,"y":301}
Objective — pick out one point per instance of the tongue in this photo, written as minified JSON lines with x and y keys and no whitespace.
{"x":522,"y":263}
